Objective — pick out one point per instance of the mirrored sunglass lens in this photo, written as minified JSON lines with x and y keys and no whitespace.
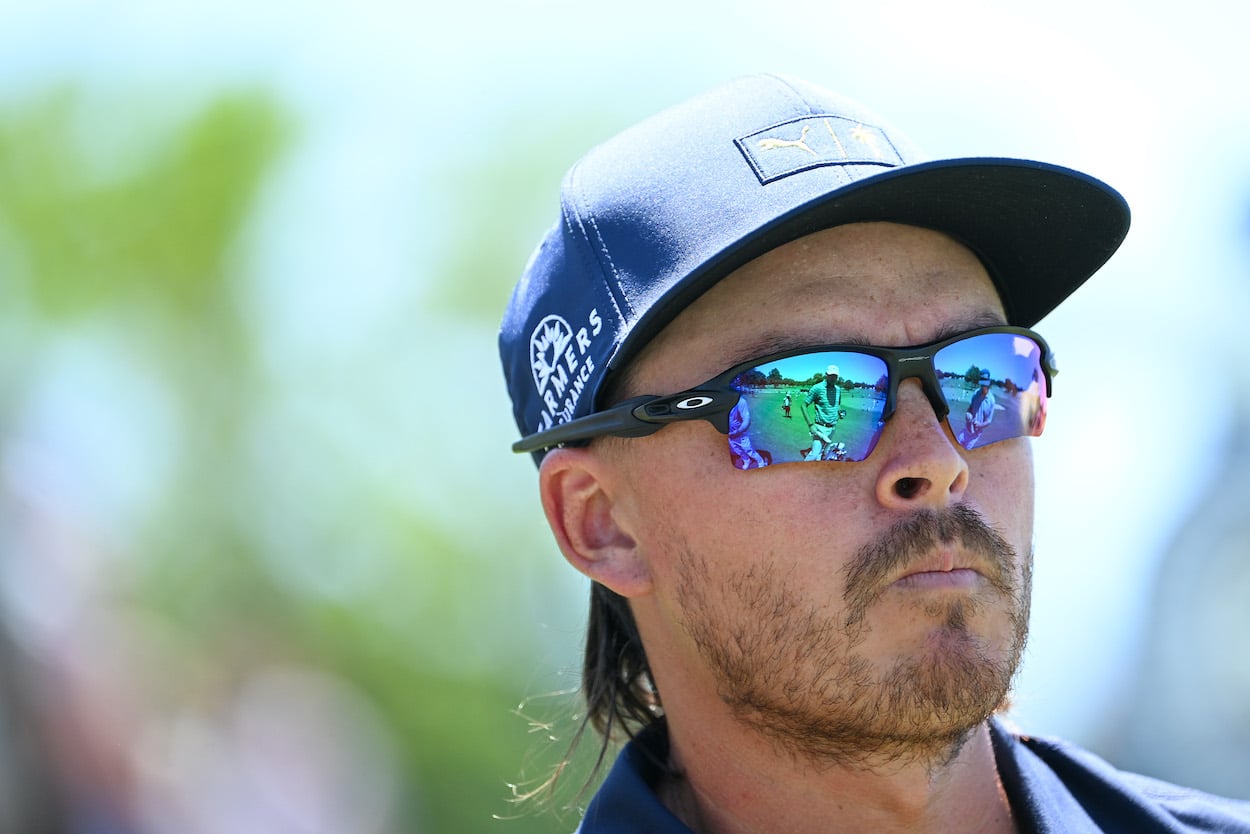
{"x":794,"y":409}
{"x":995,"y":387}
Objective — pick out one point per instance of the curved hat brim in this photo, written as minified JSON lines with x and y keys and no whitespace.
{"x":1041,"y":230}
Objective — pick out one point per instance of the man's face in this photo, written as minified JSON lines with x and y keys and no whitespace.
{"x":847,"y":609}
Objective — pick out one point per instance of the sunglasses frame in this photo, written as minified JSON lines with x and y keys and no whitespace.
{"x":713,"y":400}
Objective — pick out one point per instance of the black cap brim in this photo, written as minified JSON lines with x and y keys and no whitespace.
{"x":1040,"y":230}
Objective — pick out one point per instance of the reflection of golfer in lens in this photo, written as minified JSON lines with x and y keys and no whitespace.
{"x":739,"y":440}
{"x":980,"y":413}
{"x":824,"y":397}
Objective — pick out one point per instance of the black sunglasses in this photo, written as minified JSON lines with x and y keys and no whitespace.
{"x":831,"y":402}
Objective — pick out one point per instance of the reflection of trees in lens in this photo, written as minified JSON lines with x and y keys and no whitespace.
{"x":751,"y":379}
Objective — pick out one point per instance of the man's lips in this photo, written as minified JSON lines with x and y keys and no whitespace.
{"x":945,"y":568}
{"x":953,"y":550}
{"x":933,"y":580}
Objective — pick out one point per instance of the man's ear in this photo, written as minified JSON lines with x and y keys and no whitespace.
{"x":580,"y":500}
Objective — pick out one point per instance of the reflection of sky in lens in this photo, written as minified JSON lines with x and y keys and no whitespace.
{"x":1005,"y":355}
{"x":855,"y":367}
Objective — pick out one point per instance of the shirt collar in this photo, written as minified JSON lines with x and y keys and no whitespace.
{"x":627,"y":801}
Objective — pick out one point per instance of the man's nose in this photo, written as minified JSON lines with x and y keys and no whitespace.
{"x":920,"y":463}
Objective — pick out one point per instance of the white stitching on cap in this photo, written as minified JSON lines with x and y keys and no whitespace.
{"x":568,"y":221}
{"x":575,"y":202}
{"x":603,"y":247}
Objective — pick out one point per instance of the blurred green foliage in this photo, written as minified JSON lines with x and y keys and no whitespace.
{"x":155,"y":230}
{"x":508,"y":198}
{"x":138,"y":237}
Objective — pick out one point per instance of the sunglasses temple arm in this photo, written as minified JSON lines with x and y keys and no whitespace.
{"x":618,"y":420}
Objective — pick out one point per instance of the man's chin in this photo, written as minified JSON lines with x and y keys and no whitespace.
{"x":934,"y":697}
{"x":949,"y":687}
{"x":923,"y":708}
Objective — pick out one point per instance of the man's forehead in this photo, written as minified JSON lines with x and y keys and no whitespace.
{"x":864,"y":283}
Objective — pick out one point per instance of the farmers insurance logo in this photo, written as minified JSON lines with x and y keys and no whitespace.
{"x":561,"y":365}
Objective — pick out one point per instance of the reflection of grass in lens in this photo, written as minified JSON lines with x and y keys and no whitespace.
{"x":784,"y":437}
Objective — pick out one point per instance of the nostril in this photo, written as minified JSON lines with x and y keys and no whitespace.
{"x":908,"y":488}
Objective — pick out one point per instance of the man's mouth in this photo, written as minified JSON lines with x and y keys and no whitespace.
{"x":944,"y":568}
{"x":952,"y":549}
{"x":935,"y":580}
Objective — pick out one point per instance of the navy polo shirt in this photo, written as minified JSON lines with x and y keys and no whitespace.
{"x":1054,"y":788}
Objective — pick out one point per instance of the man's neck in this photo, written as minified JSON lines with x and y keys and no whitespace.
{"x":734,"y":789}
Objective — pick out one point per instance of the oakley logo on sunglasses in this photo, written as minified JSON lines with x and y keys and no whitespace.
{"x":989,"y":385}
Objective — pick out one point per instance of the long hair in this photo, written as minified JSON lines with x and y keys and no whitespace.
{"x":616,"y":680}
{"x":620,"y":698}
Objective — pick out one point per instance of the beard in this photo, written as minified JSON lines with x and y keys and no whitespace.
{"x":789,"y":670}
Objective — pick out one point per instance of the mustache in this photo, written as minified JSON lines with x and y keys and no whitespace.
{"x":912,"y":539}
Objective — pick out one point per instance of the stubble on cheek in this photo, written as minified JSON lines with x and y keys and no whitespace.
{"x":787,"y":664}
{"x":759,"y":638}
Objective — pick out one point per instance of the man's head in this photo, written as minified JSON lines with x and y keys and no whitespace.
{"x":831,"y":373}
{"x":839,"y":607}
{"x":814,"y":600}
{"x":985,"y":379}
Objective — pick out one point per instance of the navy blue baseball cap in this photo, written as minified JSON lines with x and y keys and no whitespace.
{"x":655,"y":216}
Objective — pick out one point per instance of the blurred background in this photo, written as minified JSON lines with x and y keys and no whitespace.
{"x":266,"y":561}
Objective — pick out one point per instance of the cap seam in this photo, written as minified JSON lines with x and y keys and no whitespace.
{"x":576,"y":213}
{"x":793,"y":92}
{"x":613,"y":286}
{"x":813,"y":111}
{"x":623,"y":309}
{"x":571,"y":212}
